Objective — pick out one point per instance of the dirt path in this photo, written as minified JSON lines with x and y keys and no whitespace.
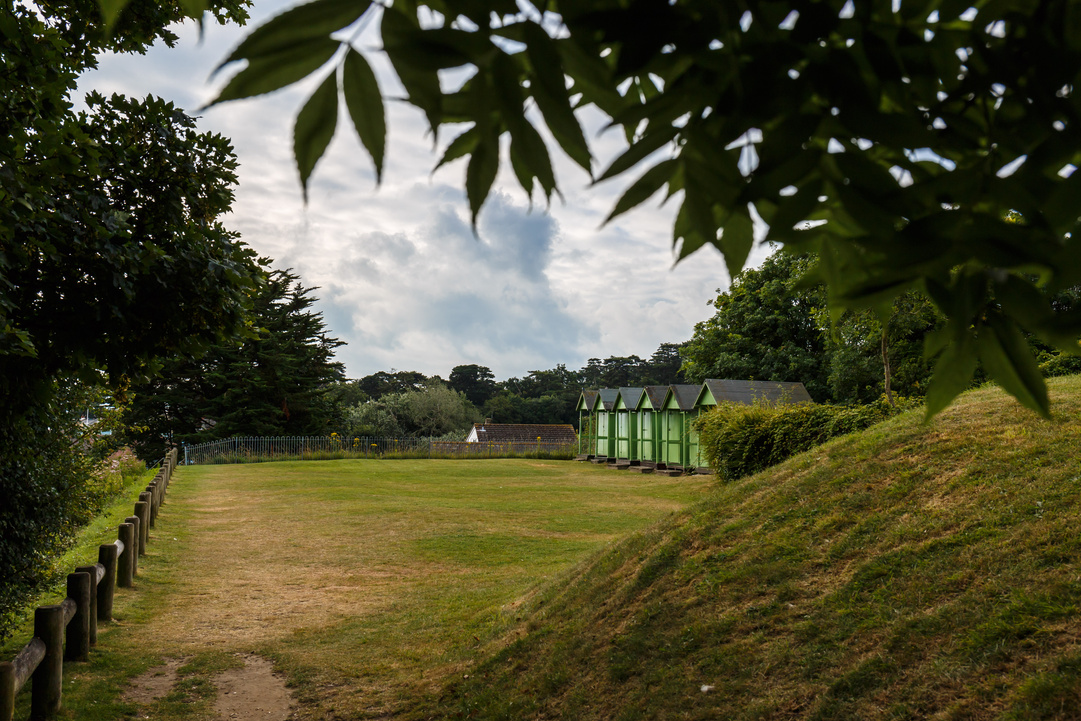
{"x":252,"y":692}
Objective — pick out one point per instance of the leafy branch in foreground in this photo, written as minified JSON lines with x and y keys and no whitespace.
{"x":901,"y":145}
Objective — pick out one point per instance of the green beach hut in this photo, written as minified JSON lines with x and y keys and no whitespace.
{"x":679,"y":441}
{"x":605,"y":423}
{"x":587,"y":438}
{"x":649,"y":409}
{"x":626,"y":414}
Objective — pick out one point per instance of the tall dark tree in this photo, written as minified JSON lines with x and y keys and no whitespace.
{"x":664,"y":367}
{"x":475,"y":381}
{"x":269,"y":384}
{"x":382,"y":383}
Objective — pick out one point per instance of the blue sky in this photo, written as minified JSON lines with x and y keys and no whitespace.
{"x":402,"y":278}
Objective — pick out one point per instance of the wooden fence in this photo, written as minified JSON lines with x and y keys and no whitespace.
{"x":67,"y":630}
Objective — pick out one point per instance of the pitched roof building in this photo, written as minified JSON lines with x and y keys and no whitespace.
{"x":523,"y":433}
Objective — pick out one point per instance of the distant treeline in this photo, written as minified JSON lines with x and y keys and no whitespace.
{"x":411,"y":403}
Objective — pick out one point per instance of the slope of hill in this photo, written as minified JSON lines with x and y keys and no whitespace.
{"x":908,"y":572}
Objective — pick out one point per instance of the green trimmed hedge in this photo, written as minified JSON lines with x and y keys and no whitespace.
{"x":739,"y":440}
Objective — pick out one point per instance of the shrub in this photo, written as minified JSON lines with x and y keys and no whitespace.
{"x":739,"y":440}
{"x":1060,"y":364}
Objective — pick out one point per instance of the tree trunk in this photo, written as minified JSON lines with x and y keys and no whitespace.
{"x":886,"y":365}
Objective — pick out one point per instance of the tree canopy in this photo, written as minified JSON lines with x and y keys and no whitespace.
{"x":894,"y":139}
{"x":769,"y":325}
{"x":113,"y":252}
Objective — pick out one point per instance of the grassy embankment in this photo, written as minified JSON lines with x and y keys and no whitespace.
{"x":369,"y":583}
{"x":907,"y":572}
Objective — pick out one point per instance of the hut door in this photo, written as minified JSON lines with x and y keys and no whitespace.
{"x":674,"y":438}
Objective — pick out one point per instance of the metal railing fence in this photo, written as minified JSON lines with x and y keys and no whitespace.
{"x":256,"y":449}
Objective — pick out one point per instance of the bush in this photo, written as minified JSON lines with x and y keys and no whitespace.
{"x":1060,"y":364}
{"x":739,"y":440}
{"x":55,"y":475}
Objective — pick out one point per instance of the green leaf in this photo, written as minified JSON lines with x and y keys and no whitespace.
{"x":953,"y":372}
{"x":481,"y":172}
{"x":794,"y":209}
{"x":365,"y":104}
{"x":639,"y":151}
{"x":400,"y":40}
{"x":297,"y":26}
{"x":549,"y":89}
{"x":110,"y":11}
{"x":529,"y":158}
{"x":194,"y":8}
{"x":528,"y":154}
{"x":641,"y":190}
{"x":459,"y":147}
{"x":315,"y":128}
{"x":736,"y":240}
{"x":272,"y":72}
{"x":1009,"y":360}
{"x":683,"y":228}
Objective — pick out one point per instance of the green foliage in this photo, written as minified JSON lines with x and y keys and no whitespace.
{"x":910,"y":145}
{"x":56,"y":472}
{"x":854,"y":358}
{"x":434,"y":411}
{"x":773,"y":324}
{"x":739,"y":440}
{"x":766,"y":328}
{"x":270,"y":383}
{"x":381,"y":383}
{"x":475,"y":381}
{"x":114,"y":252}
{"x":1061,"y":364}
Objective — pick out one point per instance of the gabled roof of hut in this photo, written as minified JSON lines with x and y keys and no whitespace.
{"x":631,"y":396}
{"x":655,"y":396}
{"x":586,"y":401}
{"x":716,"y":391}
{"x":684,"y":395}
{"x":606,"y":397}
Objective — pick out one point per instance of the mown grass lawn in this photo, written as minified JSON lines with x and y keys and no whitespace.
{"x":369,"y":583}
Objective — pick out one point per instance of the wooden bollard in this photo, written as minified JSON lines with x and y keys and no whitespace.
{"x":92,"y":571}
{"x":152,"y":499}
{"x":48,"y":678}
{"x":77,"y":635}
{"x":107,"y":554}
{"x":126,"y":563}
{"x":7,"y":691}
{"x":142,"y":510}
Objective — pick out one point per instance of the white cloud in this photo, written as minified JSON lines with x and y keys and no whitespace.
{"x":403,"y":279}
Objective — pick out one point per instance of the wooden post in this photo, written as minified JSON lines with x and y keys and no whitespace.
{"x":107,"y":554}
{"x":128,"y":560}
{"x":152,"y":499}
{"x":142,"y":510}
{"x":48,"y":679}
{"x":92,"y":571}
{"x":7,"y":691}
{"x":77,"y":641}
